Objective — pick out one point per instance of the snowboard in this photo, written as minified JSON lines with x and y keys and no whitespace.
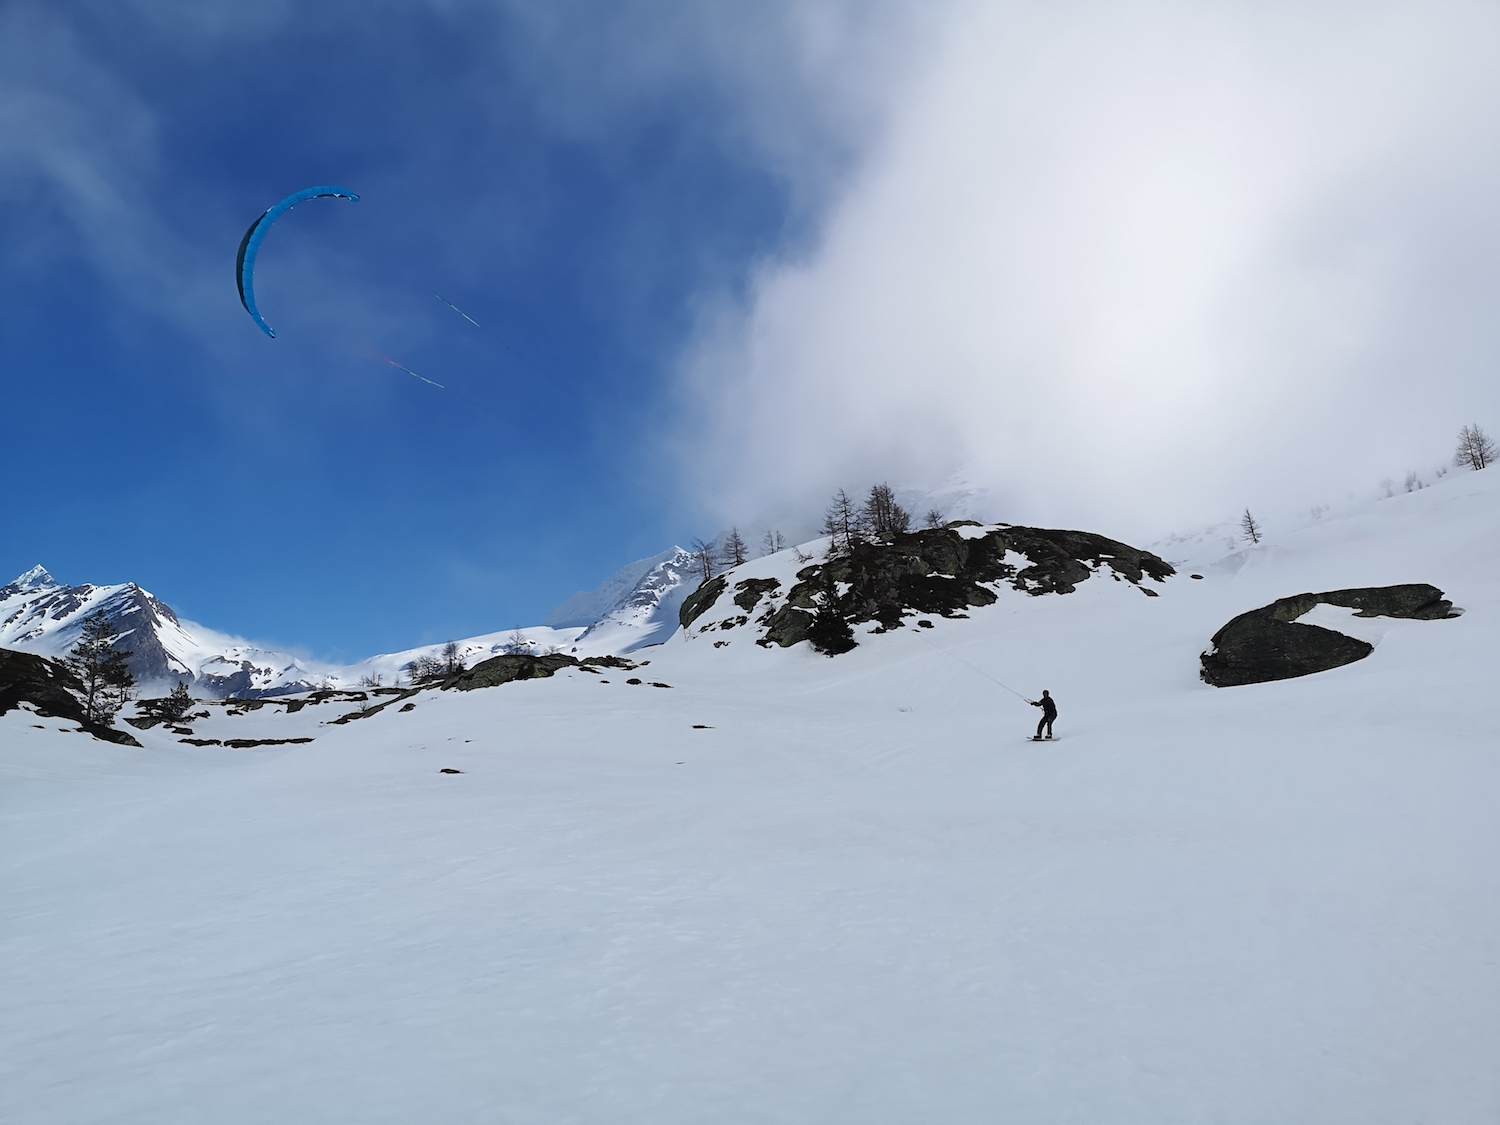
{"x":1034,"y":738}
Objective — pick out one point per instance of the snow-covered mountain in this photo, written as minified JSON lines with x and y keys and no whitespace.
{"x":636,"y":607}
{"x":39,"y":614}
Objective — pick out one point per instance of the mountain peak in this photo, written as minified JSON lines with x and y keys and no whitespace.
{"x":636,"y":607}
{"x":36,"y":578}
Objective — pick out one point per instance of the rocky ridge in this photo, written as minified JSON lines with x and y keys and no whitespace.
{"x":943,"y":571}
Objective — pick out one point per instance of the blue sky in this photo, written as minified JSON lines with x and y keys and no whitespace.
{"x":577,"y":178}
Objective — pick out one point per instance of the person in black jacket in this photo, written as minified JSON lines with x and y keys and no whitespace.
{"x":1049,"y":713}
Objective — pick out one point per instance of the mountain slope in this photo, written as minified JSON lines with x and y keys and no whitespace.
{"x":38,"y":614}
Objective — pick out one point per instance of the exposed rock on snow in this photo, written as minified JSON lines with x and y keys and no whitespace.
{"x":701,"y":599}
{"x":48,"y":687}
{"x":503,"y":669}
{"x":938,"y":570}
{"x":1270,"y":643}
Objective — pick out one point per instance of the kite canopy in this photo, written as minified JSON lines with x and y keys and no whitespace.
{"x":244,"y":269}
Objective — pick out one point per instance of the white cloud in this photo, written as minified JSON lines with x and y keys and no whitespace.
{"x":1135,"y":264}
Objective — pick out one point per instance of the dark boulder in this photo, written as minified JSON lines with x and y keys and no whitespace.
{"x":1270,"y":644}
{"x":503,"y":669}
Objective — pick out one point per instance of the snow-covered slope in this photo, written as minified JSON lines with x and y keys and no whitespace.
{"x":635,"y":608}
{"x":797,"y":888}
{"x":585,"y":608}
{"x":394,"y":667}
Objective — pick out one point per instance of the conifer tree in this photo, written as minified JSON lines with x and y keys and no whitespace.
{"x":177,"y":704}
{"x":933,"y":518}
{"x":829,"y":632}
{"x":102,"y":670}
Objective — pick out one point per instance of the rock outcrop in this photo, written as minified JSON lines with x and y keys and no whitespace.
{"x":504,"y":669}
{"x":944,"y":571}
{"x":1269,"y":643}
{"x":48,"y":686}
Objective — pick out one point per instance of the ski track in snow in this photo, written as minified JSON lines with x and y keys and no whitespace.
{"x":859,"y":897}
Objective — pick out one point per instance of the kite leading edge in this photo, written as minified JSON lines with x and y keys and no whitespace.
{"x":244,"y":270}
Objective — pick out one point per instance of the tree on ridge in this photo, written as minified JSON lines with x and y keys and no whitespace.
{"x":772,"y":543}
{"x":703,"y":556}
{"x":884,"y":518}
{"x":842,"y":523}
{"x":734,"y":552}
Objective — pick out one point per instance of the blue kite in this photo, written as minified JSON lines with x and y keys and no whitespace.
{"x":244,"y":269}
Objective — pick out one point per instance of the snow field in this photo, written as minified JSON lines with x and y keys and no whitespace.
{"x":860,"y":896}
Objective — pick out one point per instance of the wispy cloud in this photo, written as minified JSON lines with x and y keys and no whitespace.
{"x":73,"y":142}
{"x":793,"y":89}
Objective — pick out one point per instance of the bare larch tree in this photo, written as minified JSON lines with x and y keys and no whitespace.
{"x":773,"y":542}
{"x":453,"y":660}
{"x":884,"y":518}
{"x":842,"y":524}
{"x":704,"y":556}
{"x":426,"y":668}
{"x":1250,"y":527}
{"x":1475,"y":449}
{"x":734,"y":551}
